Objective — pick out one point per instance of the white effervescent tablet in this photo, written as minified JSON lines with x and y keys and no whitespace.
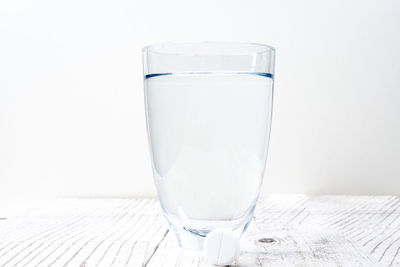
{"x":221,"y":247}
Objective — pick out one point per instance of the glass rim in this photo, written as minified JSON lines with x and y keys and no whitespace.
{"x":157,"y":48}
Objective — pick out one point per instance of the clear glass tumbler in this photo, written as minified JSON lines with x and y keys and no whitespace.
{"x":208,"y":111}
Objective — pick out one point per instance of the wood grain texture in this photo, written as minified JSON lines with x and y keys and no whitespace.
{"x":291,"y":230}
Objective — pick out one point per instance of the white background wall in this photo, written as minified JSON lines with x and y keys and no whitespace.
{"x":71,"y":97}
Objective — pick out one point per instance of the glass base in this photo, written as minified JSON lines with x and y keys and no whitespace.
{"x":191,"y":233}
{"x":189,"y":240}
{"x":194,"y":239}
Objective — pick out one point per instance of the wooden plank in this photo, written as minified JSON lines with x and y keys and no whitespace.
{"x":98,"y":233}
{"x":289,"y":230}
{"x":310,"y":231}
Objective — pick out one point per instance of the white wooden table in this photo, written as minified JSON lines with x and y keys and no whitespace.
{"x":294,"y":230}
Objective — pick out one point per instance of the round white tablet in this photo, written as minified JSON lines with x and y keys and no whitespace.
{"x":221,"y":247}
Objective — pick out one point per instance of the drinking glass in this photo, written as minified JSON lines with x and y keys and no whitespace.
{"x":208,"y":112}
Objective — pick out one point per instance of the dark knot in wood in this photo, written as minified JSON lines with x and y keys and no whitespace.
{"x":266,"y":240}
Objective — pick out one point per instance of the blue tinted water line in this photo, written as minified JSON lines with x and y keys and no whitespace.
{"x":264,"y":74}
